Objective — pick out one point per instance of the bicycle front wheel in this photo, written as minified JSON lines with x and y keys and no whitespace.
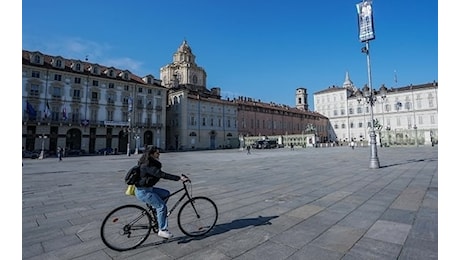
{"x":126,"y":227}
{"x":197,"y":216}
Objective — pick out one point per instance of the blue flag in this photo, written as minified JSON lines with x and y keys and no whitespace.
{"x":31,"y":111}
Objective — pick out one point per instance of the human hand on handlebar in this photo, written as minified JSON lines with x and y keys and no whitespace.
{"x":184,"y":178}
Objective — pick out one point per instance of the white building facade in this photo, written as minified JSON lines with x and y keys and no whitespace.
{"x":84,"y":107}
{"x":402,"y":116}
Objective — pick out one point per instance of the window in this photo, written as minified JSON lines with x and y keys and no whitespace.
{"x":212,"y":122}
{"x":76,"y":93}
{"x":93,"y":115}
{"x":360,"y":110}
{"x":387,"y":107}
{"x":149,"y":91}
{"x":203,"y":122}
{"x":37,"y":59}
{"x":57,"y":77}
{"x":139,"y":90}
{"x":342,"y":111}
{"x":34,"y":90}
{"x":343,"y":126}
{"x":350,"y":111}
{"x":78,"y":67}
{"x":95,"y":83}
{"x":35,"y":74}
{"x":126,"y":87}
{"x":94,"y":96}
{"x":110,"y":99}
{"x":56,"y":92}
{"x":192,"y":120}
{"x":111,"y":85}
{"x":77,"y":80}
{"x":59,"y":63}
{"x":125,"y":101}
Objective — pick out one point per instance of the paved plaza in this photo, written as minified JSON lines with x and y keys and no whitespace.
{"x":313,"y":203}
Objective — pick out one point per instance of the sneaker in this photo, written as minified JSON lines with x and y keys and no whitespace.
{"x":165,"y":234}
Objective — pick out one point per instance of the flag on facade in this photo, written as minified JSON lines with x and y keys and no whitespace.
{"x":64,"y":113}
{"x":47,"y":110}
{"x":31,"y":111}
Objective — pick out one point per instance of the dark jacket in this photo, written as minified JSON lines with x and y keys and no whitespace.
{"x":151,"y":173}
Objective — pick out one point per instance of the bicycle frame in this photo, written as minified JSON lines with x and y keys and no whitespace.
{"x":185,"y":195}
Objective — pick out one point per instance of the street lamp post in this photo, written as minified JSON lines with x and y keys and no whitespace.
{"x":366,"y":33}
{"x":371,"y":98}
{"x":137,"y":137}
{"x":42,"y":153}
{"x":130,"y":110}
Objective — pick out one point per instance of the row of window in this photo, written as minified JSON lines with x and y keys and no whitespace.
{"x":387,"y":122}
{"x":56,"y":92}
{"x":95,"y":83}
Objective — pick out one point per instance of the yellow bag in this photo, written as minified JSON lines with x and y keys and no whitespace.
{"x":130,"y":190}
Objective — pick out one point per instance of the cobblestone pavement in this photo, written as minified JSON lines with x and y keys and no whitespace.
{"x":314,"y":203}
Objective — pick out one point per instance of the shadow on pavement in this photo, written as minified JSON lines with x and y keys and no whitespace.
{"x":410,"y":161}
{"x":218,"y":229}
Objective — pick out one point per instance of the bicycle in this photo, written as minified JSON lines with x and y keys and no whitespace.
{"x":128,"y":226}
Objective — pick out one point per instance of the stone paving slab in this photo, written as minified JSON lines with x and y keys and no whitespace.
{"x":322,"y":203}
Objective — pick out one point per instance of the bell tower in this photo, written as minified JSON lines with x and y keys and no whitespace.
{"x":301,"y":99}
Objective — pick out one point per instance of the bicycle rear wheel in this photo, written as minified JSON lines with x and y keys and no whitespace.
{"x":126,"y":227}
{"x":197,"y":216}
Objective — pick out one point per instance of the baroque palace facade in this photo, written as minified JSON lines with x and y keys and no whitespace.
{"x":84,"y":107}
{"x":402,"y":116}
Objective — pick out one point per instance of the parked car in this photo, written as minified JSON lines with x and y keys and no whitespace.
{"x":105,"y":151}
{"x":265,"y":144}
{"x":29,"y":154}
{"x":75,"y":152}
{"x":46,"y":153}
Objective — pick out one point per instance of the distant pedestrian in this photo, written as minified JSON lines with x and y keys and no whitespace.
{"x":248,"y":148}
{"x":59,"y":153}
{"x":292,"y":146}
{"x":352,"y":144}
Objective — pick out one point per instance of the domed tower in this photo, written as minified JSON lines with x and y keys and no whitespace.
{"x":183,"y":70}
{"x":301,"y":99}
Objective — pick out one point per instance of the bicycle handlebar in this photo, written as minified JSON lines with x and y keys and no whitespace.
{"x":188,"y":179}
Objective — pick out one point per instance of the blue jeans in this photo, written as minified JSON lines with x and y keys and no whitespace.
{"x":155,"y":197}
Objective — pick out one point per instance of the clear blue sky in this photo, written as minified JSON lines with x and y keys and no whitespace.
{"x":263,"y":49}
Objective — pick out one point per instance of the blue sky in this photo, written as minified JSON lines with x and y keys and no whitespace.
{"x":263,"y":49}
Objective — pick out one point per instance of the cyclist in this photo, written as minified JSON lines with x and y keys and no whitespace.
{"x":151,"y":173}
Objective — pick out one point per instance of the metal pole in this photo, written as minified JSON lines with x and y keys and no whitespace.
{"x":413,"y":110}
{"x":374,"y":160}
{"x":128,"y":152}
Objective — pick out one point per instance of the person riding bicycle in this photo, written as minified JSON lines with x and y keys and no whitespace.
{"x":151,"y":173}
